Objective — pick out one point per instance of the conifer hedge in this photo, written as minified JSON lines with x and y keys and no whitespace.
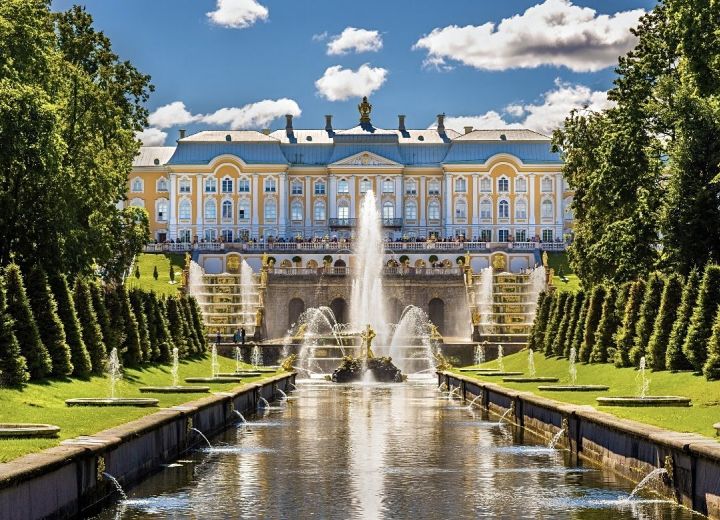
{"x":137,"y":302}
{"x":175,"y":324}
{"x":646,"y":318}
{"x":626,"y":333}
{"x":538,"y":322}
{"x":711,"y":369}
{"x":13,"y":366}
{"x":703,"y":316}
{"x":558,"y":345}
{"x":675,"y":357}
{"x":604,"y":346}
{"x":579,"y":332}
{"x":91,"y":331}
{"x":578,"y":304}
{"x":198,"y":322}
{"x":592,"y":320}
{"x":554,"y":321}
{"x":82,"y":366}
{"x":667,"y":313}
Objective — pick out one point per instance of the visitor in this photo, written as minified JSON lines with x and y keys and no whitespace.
{"x":236,"y":337}
{"x":217,"y":339}
{"x":242,"y":336}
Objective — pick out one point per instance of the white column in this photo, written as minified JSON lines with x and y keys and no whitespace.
{"x":399,"y":197}
{"x":308,"y":206}
{"x":200,"y":207}
{"x":475,"y":203}
{"x":558,"y":205}
{"x":332,"y":196}
{"x":422,"y":210}
{"x":255,"y":192}
{"x":283,"y":212}
{"x":378,"y":191}
{"x":172,"y":218}
{"x":447,"y":203}
{"x":532,"y":231}
{"x":352,"y":180}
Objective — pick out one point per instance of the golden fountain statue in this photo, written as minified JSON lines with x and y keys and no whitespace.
{"x":367,"y":338}
{"x":435,"y":333}
{"x":300,"y":334}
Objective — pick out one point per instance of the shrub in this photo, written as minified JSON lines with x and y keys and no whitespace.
{"x":701,"y":322}
{"x":296,"y":259}
{"x":160,"y":341}
{"x":91,"y":332}
{"x":39,"y":362}
{"x":538,"y":321}
{"x":711,"y":369}
{"x":460,"y":260}
{"x":155,"y":273}
{"x":667,"y":313}
{"x":626,"y":333}
{"x":404,"y":259}
{"x":558,"y":346}
{"x":579,"y":332}
{"x":13,"y":366}
{"x":609,"y":322}
{"x":124,"y":326}
{"x":674,"y":356}
{"x":98,"y":302}
{"x":554,"y":322}
{"x":578,"y":302}
{"x":198,"y":322}
{"x":82,"y":366}
{"x":327,"y":259}
{"x":646,"y":319}
{"x":592,"y":319}
{"x":137,"y":302}
{"x":432,"y":259}
{"x":175,"y":322}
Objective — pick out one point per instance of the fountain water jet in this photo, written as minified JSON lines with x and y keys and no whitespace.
{"x":644,"y":399}
{"x":556,"y":438}
{"x":203,"y":436}
{"x":117,"y":485}
{"x":573,"y":386}
{"x":175,"y":388}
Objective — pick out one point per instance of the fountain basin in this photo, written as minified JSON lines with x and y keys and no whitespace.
{"x":174,"y":389}
{"x":112,"y":401}
{"x":574,"y":388}
{"x":652,"y":400}
{"x":469,"y":369}
{"x":354,"y":370}
{"x":530,"y":379}
{"x":266,"y":370}
{"x":499,"y":374}
{"x":216,"y":379}
{"x":239,"y":374}
{"x":28,"y":430}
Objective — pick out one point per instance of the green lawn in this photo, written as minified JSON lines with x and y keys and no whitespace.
{"x":699,"y":418}
{"x":561,"y":266}
{"x":147,"y":262}
{"x":45,"y":402}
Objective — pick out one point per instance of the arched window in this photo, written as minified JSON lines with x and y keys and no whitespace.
{"x":296,"y":211}
{"x":320,"y":188}
{"x":521,"y":185}
{"x":296,"y":188}
{"x":243,"y":185}
{"x":388,"y":211}
{"x":388,"y":186}
{"x":503,"y":185}
{"x":210,"y":185}
{"x":485,"y":210}
{"x":137,"y":203}
{"x":546,"y":209}
{"x":137,"y":185}
{"x":434,"y":210}
{"x":319,"y":211}
{"x":343,"y":210}
{"x":270,"y":185}
{"x":411,"y":211}
{"x":227,"y":235}
{"x":343,"y":186}
{"x":161,"y":210}
{"x":227,"y":210}
{"x":521,"y":209}
{"x":365,"y":186}
{"x":485,"y":185}
{"x":546,"y":186}
{"x":460,"y":185}
{"x":210,"y":210}
{"x":185,"y":210}
{"x":460,"y":210}
{"x":244,"y":210}
{"x":162,"y":184}
{"x":227,"y":185}
{"x":410,"y":187}
{"x":504,"y":209}
{"x":270,"y":210}
{"x":434,"y":188}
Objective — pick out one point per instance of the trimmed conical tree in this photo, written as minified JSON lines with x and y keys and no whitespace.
{"x":103,"y":318}
{"x":13,"y":367}
{"x":669,"y":304}
{"x":701,"y":322}
{"x":114,"y":337}
{"x":623,"y":293}
{"x":554,"y":323}
{"x":647,"y":316}
{"x":626,"y":333}
{"x":538,"y":321}
{"x":558,"y":345}
{"x":82,"y":366}
{"x":198,"y":323}
{"x":592,"y":320}
{"x":39,"y":362}
{"x":579,"y":332}
{"x":674,"y":356}
{"x":712,"y":364}
{"x":604,"y":347}
{"x":91,"y":332}
{"x":177,"y":329}
{"x":131,"y":347}
{"x":52,"y":331}
{"x":162,"y":330}
{"x":189,"y":326}
{"x":137,"y":301}
{"x":149,"y":304}
{"x":578,"y":303}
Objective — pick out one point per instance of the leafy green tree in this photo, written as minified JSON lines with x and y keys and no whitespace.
{"x":50,"y":326}
{"x":39,"y":362}
{"x":675,"y":357}
{"x":137,"y":301}
{"x":91,"y":331}
{"x":625,"y":335}
{"x":82,"y":365}
{"x":578,"y":305}
{"x":603,"y":349}
{"x":539,"y":324}
{"x":98,"y":302}
{"x":667,"y":314}
{"x":592,"y":319}
{"x":176,"y":326}
{"x":13,"y":367}
{"x":558,"y":345}
{"x":646,"y":317}
{"x":701,"y":322}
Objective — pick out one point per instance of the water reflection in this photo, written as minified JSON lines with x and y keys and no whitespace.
{"x":382,"y":451}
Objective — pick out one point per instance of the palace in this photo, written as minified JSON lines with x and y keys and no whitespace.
{"x":232,"y":186}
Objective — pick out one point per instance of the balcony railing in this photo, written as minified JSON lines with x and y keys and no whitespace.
{"x":387,"y":271}
{"x":342,"y":222}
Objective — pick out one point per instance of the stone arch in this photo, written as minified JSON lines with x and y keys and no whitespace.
{"x":312,"y":264}
{"x":296,"y":307}
{"x":436,"y":313}
{"x":340,"y":263}
{"x":339,"y":308}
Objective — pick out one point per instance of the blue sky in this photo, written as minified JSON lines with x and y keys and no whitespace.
{"x":519,"y":73}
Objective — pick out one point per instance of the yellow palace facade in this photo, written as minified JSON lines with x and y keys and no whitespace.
{"x":230,"y":186}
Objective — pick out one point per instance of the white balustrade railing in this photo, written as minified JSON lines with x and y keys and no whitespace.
{"x":553,"y":246}
{"x":523,"y":246}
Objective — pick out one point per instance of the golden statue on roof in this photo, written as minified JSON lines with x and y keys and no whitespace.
{"x":365,"y":108}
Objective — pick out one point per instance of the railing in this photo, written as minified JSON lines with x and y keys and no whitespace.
{"x":173,"y":247}
{"x":342,"y":222}
{"x":524,"y":246}
{"x":387,"y":271}
{"x":553,"y":246}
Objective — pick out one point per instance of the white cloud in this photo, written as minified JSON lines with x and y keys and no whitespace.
{"x":237,"y":14}
{"x":338,"y":84}
{"x":555,"y":33}
{"x":357,"y":40}
{"x":320,"y":36}
{"x":542,"y":117}
{"x":171,"y":114}
{"x":253,"y":115}
{"x":152,"y":137}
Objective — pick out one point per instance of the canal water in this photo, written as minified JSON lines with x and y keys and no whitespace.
{"x":381,"y":452}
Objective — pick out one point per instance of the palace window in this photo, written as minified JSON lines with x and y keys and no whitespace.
{"x":546,"y":209}
{"x":210,"y":185}
{"x":210,"y":210}
{"x":410,"y":187}
{"x":503,"y":235}
{"x":184,"y":235}
{"x":243,"y":185}
{"x":210,"y":235}
{"x":185,"y":186}
{"x":388,"y":186}
{"x":270,"y":210}
{"x":411,"y":211}
{"x":227,"y":235}
{"x":546,"y":186}
{"x":521,"y":210}
{"x":460,"y":185}
{"x":296,"y":211}
{"x":485,"y":210}
{"x":227,"y":210}
{"x":460,"y":211}
{"x":343,"y":210}
{"x":244,"y":210}
{"x":343,"y":186}
{"x":521,"y":185}
{"x":388,"y":211}
{"x":520,"y":235}
{"x":547,"y":235}
{"x":485,"y":185}
{"x":185,"y":210}
{"x":137,"y":203}
{"x":319,"y":211}
{"x":270,"y":186}
{"x":320,"y":188}
{"x":365,"y":186}
{"x":296,"y":188}
{"x":137,"y":185}
{"x":162,"y":184}
{"x":486,"y":235}
{"x":162,"y":210}
{"x":227,"y":185}
{"x":503,"y":185}
{"x":434,"y":188}
{"x":434,"y":210}
{"x":504,"y":209}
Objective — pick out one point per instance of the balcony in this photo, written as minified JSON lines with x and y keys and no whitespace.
{"x":342,"y":222}
{"x":392,"y":222}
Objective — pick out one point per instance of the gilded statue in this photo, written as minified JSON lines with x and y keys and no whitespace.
{"x":288,"y":364}
{"x":258,"y":317}
{"x":233,"y":263}
{"x":365,"y":108}
{"x":300,"y":334}
{"x":498,"y":262}
{"x":367,"y":338}
{"x":545,"y":258}
{"x":435,"y":333}
{"x":475,"y":316}
{"x":265,"y":260}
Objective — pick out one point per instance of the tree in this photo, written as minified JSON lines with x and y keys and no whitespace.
{"x":700,"y":329}
{"x":577,"y":309}
{"x":188,"y":325}
{"x":172,"y":274}
{"x":554,"y":325}
{"x":198,"y":323}
{"x":592,"y":319}
{"x":646,"y":317}
{"x":155,"y":273}
{"x":124,"y":326}
{"x":82,"y":366}
{"x":13,"y":367}
{"x":137,"y":301}
{"x":558,"y":346}
{"x":176,"y":326}
{"x":538,"y":321}
{"x":667,"y":314}
{"x":162,"y":330}
{"x":626,"y":333}
{"x":98,"y":302}
{"x":552,"y":301}
{"x":711,"y":369}
{"x":579,"y":333}
{"x":137,"y":272}
{"x":604,"y":346}
{"x":39,"y":362}
{"x":91,"y":331}
{"x":675,"y":357}
{"x":50,"y":326}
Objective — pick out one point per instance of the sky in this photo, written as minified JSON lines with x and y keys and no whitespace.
{"x":244,"y":64}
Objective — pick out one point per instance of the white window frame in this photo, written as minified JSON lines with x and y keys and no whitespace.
{"x":225,"y":204}
{"x":223,"y":185}
{"x":166,"y":203}
{"x":296,"y":211}
{"x":182,"y":205}
{"x":319,"y":211}
{"x":243,"y":183}
{"x":460,"y":185}
{"x":296,"y":187}
{"x":434,"y":205}
{"x":388,"y":186}
{"x":207,"y":204}
{"x":270,"y":185}
{"x":246,"y":207}
{"x":160,"y":188}
{"x":185,"y":186}
{"x":319,"y":187}
{"x":486,"y":209}
{"x":343,"y":186}
{"x":434,"y":187}
{"x":503,"y":184}
{"x":210,"y":185}
{"x":137,"y":185}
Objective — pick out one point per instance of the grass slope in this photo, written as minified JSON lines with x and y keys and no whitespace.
{"x":561,"y":265}
{"x":45,"y":402}
{"x":699,"y":418}
{"x":147,"y":262}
